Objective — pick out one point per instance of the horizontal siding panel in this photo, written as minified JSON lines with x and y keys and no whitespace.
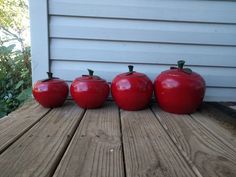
{"x":145,"y":31}
{"x":134,"y":52}
{"x":192,"y":11}
{"x":220,"y":94}
{"x":69,"y":70}
{"x":107,"y":35}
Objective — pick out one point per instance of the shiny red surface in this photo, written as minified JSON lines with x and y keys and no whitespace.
{"x":179,"y":92}
{"x":132,"y":91}
{"x":89,"y":91}
{"x":51,"y":93}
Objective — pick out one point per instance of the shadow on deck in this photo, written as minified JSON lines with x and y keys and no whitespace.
{"x":109,"y":142}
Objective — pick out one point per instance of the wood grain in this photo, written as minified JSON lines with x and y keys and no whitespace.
{"x":148,"y":149}
{"x":233,"y":107}
{"x":18,"y":122}
{"x":95,"y":150}
{"x":221,"y":113}
{"x":207,"y":154}
{"x":218,"y":123}
{"x":38,"y":151}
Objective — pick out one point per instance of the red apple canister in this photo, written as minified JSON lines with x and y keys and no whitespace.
{"x":179,"y":90}
{"x":132,"y":90}
{"x":51,"y":92}
{"x":89,"y":91}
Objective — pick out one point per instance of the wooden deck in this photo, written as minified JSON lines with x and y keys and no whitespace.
{"x":108,"y":142}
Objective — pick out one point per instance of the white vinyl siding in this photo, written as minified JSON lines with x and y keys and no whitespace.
{"x":107,"y":35}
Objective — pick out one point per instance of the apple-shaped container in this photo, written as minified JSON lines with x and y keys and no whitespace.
{"x":132,"y":90}
{"x":89,"y":91}
{"x":51,"y":92}
{"x":179,"y":90}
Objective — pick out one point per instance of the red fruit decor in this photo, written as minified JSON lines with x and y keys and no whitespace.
{"x":51,"y":92}
{"x":132,"y":90}
{"x":89,"y":91}
{"x":179,"y":90}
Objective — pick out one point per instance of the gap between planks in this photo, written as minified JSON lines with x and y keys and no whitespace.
{"x":218,"y":123}
{"x":148,"y":150}
{"x":95,"y":149}
{"x":164,"y":125}
{"x":17,"y":123}
{"x":39,"y":150}
{"x":203,"y":148}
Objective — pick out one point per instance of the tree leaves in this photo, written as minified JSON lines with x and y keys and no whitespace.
{"x":14,"y":20}
{"x":25,"y":94}
{"x":13,"y":13}
{"x":15,"y":79}
{"x":19,"y":84}
{"x":15,"y":66}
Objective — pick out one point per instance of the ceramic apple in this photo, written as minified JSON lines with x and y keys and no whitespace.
{"x":51,"y":92}
{"x":89,"y":91}
{"x":179,"y":90}
{"x":132,"y":90}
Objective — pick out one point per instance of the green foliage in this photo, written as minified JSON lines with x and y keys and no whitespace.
{"x":13,"y":20}
{"x":15,"y":68}
{"x":12,"y":13}
{"x":15,"y":78}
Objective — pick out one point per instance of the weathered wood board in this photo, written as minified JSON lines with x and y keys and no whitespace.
{"x":38,"y":151}
{"x":18,"y":122}
{"x":96,"y":149}
{"x":220,"y":124}
{"x":148,"y":150}
{"x":207,"y":154}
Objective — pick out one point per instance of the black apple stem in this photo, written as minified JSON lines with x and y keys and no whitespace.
{"x":131,"y":68}
{"x":181,"y":64}
{"x":90,"y":72}
{"x":50,"y":75}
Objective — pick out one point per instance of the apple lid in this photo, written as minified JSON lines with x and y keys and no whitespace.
{"x":181,"y":71}
{"x":181,"y":68}
{"x":51,"y":79}
{"x":90,"y":77}
{"x":132,"y":73}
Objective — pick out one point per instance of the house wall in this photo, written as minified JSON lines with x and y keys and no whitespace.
{"x":69,"y":36}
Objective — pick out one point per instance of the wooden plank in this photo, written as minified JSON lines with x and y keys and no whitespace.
{"x":95,"y":150}
{"x":221,"y":107}
{"x":191,"y":11}
{"x":18,"y":122}
{"x":139,"y":52}
{"x":148,"y":150}
{"x":142,"y":31}
{"x":39,"y":38}
{"x":38,"y":151}
{"x":233,"y":107}
{"x":201,"y":148}
{"x":220,"y":124}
